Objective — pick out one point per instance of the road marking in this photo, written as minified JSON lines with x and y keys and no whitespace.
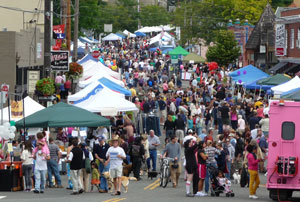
{"x":2,"y":197}
{"x":114,"y":200}
{"x":150,"y":185}
{"x":155,"y":186}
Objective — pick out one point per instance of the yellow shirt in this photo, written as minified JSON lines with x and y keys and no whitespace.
{"x":133,"y":92}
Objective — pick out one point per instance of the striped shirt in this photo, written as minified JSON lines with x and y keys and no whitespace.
{"x":54,"y":149}
{"x":211,"y":153}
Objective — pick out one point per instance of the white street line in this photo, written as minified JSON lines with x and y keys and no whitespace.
{"x":2,"y":197}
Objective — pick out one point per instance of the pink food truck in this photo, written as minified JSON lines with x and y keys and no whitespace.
{"x":284,"y":149}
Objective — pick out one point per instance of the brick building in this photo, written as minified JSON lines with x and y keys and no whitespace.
{"x":288,"y":41}
{"x":241,"y":34}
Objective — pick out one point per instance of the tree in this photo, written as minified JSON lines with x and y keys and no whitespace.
{"x":225,"y":50}
{"x":281,"y":3}
{"x":154,"y":16}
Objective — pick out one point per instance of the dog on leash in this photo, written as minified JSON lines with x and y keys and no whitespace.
{"x":124,"y":181}
{"x":127,"y":168}
{"x":152,"y":174}
{"x":236,"y":177}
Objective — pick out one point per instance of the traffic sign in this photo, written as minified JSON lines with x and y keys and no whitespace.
{"x":4,"y":91}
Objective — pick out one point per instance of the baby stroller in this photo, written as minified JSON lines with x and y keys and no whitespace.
{"x":215,"y":187}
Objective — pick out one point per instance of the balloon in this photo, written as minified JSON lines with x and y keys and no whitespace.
{"x":0,"y":145}
{"x":109,"y":66}
{"x":6,"y":136}
{"x":155,"y":53}
{"x":244,"y":72}
{"x":181,"y":66}
{"x":11,"y":135}
{"x":240,"y":81}
{"x":238,"y":73}
{"x":12,"y":123}
{"x":112,"y":63}
{"x":13,"y":129}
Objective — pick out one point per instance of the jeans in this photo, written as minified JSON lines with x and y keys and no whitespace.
{"x":27,"y":170}
{"x":153,"y":157}
{"x":228,"y":175}
{"x":208,"y":176}
{"x":199,"y":131}
{"x":40,"y":179}
{"x":103,"y":181}
{"x":53,"y":168}
{"x":70,"y":184}
{"x":254,"y":178}
{"x":169,"y":133}
{"x":220,"y":128}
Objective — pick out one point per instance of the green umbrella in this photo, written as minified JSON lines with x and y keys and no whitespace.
{"x":194,"y":57}
{"x":179,"y":51}
{"x":273,"y":80}
{"x":63,"y":115}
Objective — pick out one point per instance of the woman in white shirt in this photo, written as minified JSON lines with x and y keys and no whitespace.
{"x":241,"y":124}
{"x":27,"y":159}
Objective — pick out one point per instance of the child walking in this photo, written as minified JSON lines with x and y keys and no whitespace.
{"x":95,"y":177}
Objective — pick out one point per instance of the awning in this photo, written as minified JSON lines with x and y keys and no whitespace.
{"x":278,"y":66}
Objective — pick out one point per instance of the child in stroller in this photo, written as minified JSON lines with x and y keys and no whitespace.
{"x":219,"y":184}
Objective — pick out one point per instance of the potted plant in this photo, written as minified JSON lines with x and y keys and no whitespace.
{"x":45,"y":87}
{"x":75,"y":71}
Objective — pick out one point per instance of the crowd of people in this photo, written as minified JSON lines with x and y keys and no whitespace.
{"x":218,"y":126}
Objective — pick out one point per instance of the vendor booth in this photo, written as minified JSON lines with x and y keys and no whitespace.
{"x":287,"y":86}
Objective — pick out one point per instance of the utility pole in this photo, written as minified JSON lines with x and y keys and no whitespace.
{"x":68,"y":24}
{"x":47,"y":38}
{"x":75,"y":48}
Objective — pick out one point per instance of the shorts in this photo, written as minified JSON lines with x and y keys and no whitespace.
{"x":116,"y":172}
{"x":202,"y":171}
{"x":179,"y":134}
{"x":225,"y":121}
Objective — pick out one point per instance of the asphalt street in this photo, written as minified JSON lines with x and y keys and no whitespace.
{"x":145,"y":190}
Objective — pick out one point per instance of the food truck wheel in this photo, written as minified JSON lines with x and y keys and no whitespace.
{"x":284,"y":194}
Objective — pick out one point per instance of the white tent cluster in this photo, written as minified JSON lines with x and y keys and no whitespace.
{"x":155,"y":29}
{"x":287,"y":86}
{"x":102,"y":91}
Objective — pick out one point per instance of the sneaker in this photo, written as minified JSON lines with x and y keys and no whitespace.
{"x":254,"y":197}
{"x":80,"y":191}
{"x":36,"y":191}
{"x":250,"y":196}
{"x":189,"y":195}
{"x":204,"y":193}
{"x":74,"y":193}
{"x":41,"y":192}
{"x":199,"y":193}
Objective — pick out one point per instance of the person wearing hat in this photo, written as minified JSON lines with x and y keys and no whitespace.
{"x":99,"y":152}
{"x":115,"y":156}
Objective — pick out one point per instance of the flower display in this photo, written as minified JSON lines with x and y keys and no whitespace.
{"x":45,"y":86}
{"x":75,"y":70}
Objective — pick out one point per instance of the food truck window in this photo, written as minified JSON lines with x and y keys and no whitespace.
{"x":288,"y":131}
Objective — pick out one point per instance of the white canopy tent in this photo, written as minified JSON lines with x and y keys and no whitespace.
{"x":93,"y":87}
{"x":30,"y":107}
{"x":163,"y":37}
{"x":155,"y":29}
{"x":93,"y":68}
{"x":107,"y":102}
{"x":131,"y":35}
{"x":88,"y":81}
{"x":285,"y":87}
{"x":112,"y":37}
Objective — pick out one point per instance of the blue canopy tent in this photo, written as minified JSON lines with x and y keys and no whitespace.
{"x":120,"y":35}
{"x":167,"y":50}
{"x":247,"y":74}
{"x":114,"y":87}
{"x":87,"y":58}
{"x":153,"y":49}
{"x":140,"y":34}
{"x":254,"y":85}
{"x":290,"y":92}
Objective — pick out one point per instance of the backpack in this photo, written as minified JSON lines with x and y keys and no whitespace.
{"x":87,"y":164}
{"x":135,"y":150}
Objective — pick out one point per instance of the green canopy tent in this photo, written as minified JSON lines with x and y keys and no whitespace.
{"x":294,"y":95}
{"x":179,"y":51}
{"x":193,"y":57}
{"x":274,"y":80}
{"x":63,"y":115}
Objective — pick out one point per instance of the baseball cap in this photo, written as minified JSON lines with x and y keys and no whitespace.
{"x":101,"y":138}
{"x":190,"y":131}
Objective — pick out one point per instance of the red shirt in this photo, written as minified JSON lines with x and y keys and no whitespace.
{"x":68,"y":84}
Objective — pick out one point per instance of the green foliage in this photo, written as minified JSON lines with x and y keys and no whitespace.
{"x":154,"y":16}
{"x":225,"y":50}
{"x":281,"y":3}
{"x":45,"y":86}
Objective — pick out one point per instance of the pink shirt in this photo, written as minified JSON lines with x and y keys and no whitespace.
{"x":233,"y":117}
{"x":252,"y":162}
{"x":59,"y":79}
{"x":165,"y":86}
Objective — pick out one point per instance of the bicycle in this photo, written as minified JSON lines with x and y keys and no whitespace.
{"x":165,"y":171}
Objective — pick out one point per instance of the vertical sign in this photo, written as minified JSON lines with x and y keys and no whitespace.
{"x":280,"y":40}
{"x":33,"y":77}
